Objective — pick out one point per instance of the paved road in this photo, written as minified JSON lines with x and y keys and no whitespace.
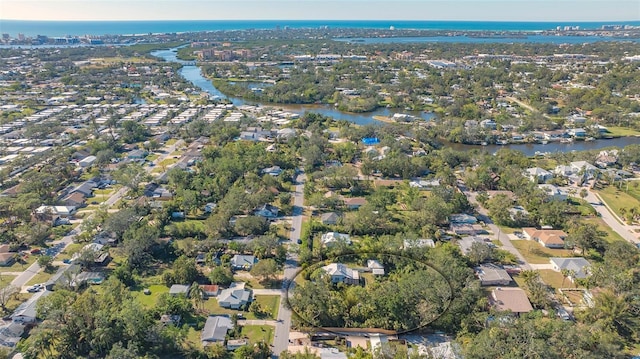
{"x":502,"y":237}
{"x":267,"y":291}
{"x":611,"y":219}
{"x":283,"y":327}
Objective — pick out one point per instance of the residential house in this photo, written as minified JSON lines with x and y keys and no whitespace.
{"x":607,"y":158}
{"x":548,"y":238}
{"x":463,"y":218}
{"x":86,"y":188}
{"x":330,"y":238}
{"x":514,"y":300}
{"x":578,"y":132}
{"x":330,"y":218}
{"x":492,"y":275}
{"x":11,"y":334}
{"x":234,"y":297}
{"x":488,"y":124}
{"x":273,"y":171}
{"x":215,"y":329}
{"x":354,"y":202}
{"x":578,"y":266}
{"x":425,"y":184}
{"x":418,"y":243}
{"x":242,"y":261}
{"x":538,"y":175}
{"x":75,"y":199}
{"x":583,"y":166}
{"x":26,"y":312}
{"x":375,"y":267}
{"x":210,"y":290}
{"x":170,"y":319}
{"x":137,"y":154}
{"x":54,"y":211}
{"x":267,"y":211}
{"x":209,"y":207}
{"x":465,"y":243}
{"x":180,"y":289}
{"x":154,"y":190}
{"x":564,"y":171}
{"x":554,"y":192}
{"x":87,"y":161}
{"x":7,"y":259}
{"x":340,"y":273}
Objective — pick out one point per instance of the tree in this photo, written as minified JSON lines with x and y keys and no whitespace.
{"x":251,"y":225}
{"x":586,"y":236}
{"x":45,"y":262}
{"x":480,"y":253}
{"x":221,"y":275}
{"x":583,"y":193}
{"x":5,"y":295}
{"x":185,"y":270}
{"x":264,"y":269}
{"x":196,"y":293}
{"x":131,"y":175}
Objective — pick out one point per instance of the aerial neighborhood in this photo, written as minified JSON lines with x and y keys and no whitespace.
{"x":329,"y":198}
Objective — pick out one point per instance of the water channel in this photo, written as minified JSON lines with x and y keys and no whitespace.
{"x":194,"y":75}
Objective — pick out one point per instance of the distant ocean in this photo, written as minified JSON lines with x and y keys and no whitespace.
{"x":79,"y":28}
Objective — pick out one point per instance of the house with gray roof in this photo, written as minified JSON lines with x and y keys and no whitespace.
{"x":578,"y":266}
{"x":340,"y":273}
{"x":235,"y":297}
{"x":242,"y":261}
{"x":215,"y":329}
{"x":178,"y":289}
{"x":491,"y":274}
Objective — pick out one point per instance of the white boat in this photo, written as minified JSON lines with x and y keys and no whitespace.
{"x":544,"y":142}
{"x":566,"y":140}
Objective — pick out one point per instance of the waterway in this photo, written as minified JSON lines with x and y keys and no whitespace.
{"x":194,"y":75}
{"x":536,"y":39}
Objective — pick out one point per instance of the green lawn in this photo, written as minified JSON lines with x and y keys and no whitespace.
{"x":257,"y":333}
{"x":611,"y":234}
{"x":150,"y":300}
{"x":622,"y":131}
{"x":617,"y":199}
{"x":41,"y":277}
{"x":534,"y":253}
{"x":253,"y":283}
{"x":554,"y":279}
{"x":152,"y":157}
{"x":20,"y":266}
{"x":167,"y":162}
{"x":170,"y":142}
{"x":71,"y":249}
{"x":270,"y":304}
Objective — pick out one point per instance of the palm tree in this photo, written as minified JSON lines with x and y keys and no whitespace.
{"x":565,"y":274}
{"x":197,"y":294}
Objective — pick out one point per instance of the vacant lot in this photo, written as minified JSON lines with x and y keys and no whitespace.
{"x":534,"y":253}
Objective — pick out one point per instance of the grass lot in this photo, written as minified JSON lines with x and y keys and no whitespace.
{"x":20,"y":266}
{"x":152,"y":157}
{"x":270,"y":304}
{"x":611,"y":234}
{"x":554,"y":279}
{"x":617,"y":199}
{"x":150,"y":300}
{"x":167,"y":162}
{"x":16,"y":300}
{"x":41,"y":277}
{"x":507,"y":230}
{"x":537,"y":254}
{"x":253,"y":283}
{"x":582,"y":206}
{"x":622,"y":131}
{"x":257,"y":333}
{"x":71,"y":249}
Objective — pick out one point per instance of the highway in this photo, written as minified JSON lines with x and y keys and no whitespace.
{"x":283,"y":325}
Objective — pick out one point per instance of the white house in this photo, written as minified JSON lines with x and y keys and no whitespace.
{"x":340,"y":273}
{"x":376,"y":267}
{"x":87,"y":161}
{"x":538,"y":175}
{"x":234,"y":297}
{"x":554,"y":192}
{"x":334,"y":237}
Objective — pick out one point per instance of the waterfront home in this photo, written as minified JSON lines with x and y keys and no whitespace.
{"x":538,"y":175}
{"x":583,"y":166}
{"x":578,"y":132}
{"x":488,"y":124}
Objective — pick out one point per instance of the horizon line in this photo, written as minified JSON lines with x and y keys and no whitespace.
{"x":335,"y":20}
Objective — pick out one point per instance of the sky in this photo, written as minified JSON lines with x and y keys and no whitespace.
{"x":479,"y":10}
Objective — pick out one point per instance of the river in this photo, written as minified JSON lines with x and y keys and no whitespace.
{"x":194,"y":75}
